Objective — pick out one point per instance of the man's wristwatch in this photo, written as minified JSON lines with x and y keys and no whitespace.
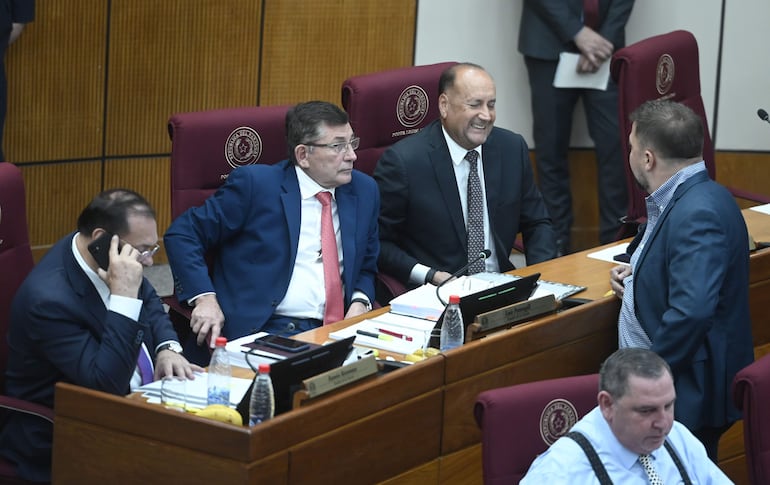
{"x":172,"y":346}
{"x":364,"y":302}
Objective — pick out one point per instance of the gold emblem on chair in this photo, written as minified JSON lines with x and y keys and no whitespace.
{"x":557,"y":418}
{"x":664,"y":78}
{"x":412,"y":106}
{"x":243,"y":147}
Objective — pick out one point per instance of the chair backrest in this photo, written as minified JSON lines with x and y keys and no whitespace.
{"x":519,"y":422}
{"x":660,"y":67}
{"x":15,"y":252}
{"x":388,"y":105}
{"x":207,"y":145}
{"x":751,"y":393}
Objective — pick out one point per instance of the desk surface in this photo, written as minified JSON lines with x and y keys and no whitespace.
{"x":423,"y":411}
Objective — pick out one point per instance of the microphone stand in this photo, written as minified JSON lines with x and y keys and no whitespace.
{"x":483,"y":255}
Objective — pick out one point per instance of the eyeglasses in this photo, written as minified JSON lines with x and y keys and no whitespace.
{"x":339,"y":147}
{"x":148,"y":253}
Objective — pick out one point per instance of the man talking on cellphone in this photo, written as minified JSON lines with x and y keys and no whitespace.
{"x":73,"y":321}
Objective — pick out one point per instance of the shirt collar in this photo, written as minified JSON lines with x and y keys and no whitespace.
{"x":309,"y":187}
{"x":99,"y":284}
{"x":662,"y":196}
{"x":456,"y":151}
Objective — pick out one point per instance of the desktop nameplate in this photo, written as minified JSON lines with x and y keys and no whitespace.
{"x":340,"y":377}
{"x":516,"y":313}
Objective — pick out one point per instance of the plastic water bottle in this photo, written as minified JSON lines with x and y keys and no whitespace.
{"x":262,"y":404}
{"x":219,"y":374}
{"x":452,"y":327}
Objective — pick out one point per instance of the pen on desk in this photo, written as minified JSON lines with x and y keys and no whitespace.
{"x":380,"y":336}
{"x":395,"y":334}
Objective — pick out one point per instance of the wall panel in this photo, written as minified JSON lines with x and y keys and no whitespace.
{"x":55,"y":196}
{"x":176,"y":55}
{"x":55,"y":83}
{"x":310,"y":48}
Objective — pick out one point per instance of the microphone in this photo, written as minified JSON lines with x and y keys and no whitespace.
{"x":482,"y":256}
{"x":763,"y":115}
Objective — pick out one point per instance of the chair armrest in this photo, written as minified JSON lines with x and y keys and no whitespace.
{"x":21,"y":406}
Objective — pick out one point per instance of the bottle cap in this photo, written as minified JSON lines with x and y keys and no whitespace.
{"x":454,"y":299}
{"x":220,"y":341}
{"x":264,"y":368}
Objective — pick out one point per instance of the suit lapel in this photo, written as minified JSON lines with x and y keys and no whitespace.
{"x":444,"y":171}
{"x":291,"y":200}
{"x":347,"y":207}
{"x":678,"y":194}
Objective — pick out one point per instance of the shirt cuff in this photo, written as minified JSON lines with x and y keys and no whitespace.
{"x":128,"y":307}
{"x":418,"y":274}
{"x":192,"y":300}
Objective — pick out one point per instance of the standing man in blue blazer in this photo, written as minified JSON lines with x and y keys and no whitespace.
{"x":97,"y":327}
{"x":424,"y":179}
{"x":594,"y":29}
{"x":263,"y":226}
{"x":685,"y":294}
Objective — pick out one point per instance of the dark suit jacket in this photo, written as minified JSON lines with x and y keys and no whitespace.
{"x":252,"y":223}
{"x":691,"y":288}
{"x":548,"y":26}
{"x":61,"y":331}
{"x":421,"y":219}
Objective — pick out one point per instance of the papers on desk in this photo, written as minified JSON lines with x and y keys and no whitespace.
{"x":382,"y":332}
{"x":422,"y":302}
{"x":609,"y":254}
{"x":567,"y":75}
{"x":196,"y":391}
{"x":764,"y":208}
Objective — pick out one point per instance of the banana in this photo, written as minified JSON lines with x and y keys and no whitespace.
{"x":419,"y":354}
{"x":220,"y":412}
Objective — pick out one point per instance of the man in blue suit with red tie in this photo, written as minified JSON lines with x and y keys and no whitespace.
{"x":264,"y":226}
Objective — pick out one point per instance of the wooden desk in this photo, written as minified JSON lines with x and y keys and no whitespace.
{"x":414,"y":425}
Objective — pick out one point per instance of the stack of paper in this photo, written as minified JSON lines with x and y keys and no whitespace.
{"x":196,"y":391}
{"x":422,"y":302}
{"x":395,"y":333}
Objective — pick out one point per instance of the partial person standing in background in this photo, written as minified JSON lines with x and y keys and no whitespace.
{"x":14,"y":14}
{"x":595,"y":29}
{"x":686,"y":293}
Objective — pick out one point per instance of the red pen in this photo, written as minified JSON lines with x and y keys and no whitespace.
{"x":395,"y":334}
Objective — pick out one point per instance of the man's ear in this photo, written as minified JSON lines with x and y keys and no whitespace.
{"x":96,"y":233}
{"x":300,"y":153}
{"x":443,"y":102}
{"x":605,"y":404}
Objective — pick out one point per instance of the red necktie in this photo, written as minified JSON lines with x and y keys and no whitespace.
{"x":591,"y":13}
{"x":335,"y":309}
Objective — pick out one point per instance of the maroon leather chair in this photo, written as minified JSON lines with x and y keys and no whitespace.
{"x":751,"y":393}
{"x":205,"y":147}
{"x":16,"y":262}
{"x":387,"y":106}
{"x":519,"y":422}
{"x":660,"y":67}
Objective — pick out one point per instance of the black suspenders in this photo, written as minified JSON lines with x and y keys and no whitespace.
{"x":601,"y":472}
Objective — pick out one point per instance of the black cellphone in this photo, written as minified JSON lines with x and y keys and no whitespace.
{"x":283,"y":343}
{"x":100,"y":250}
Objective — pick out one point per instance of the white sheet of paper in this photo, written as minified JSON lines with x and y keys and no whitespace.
{"x":764,"y":208}
{"x":568,"y":77}
{"x":607,"y":254}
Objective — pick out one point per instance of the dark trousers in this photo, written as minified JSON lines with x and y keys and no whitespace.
{"x":710,"y":439}
{"x":552,"y":110}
